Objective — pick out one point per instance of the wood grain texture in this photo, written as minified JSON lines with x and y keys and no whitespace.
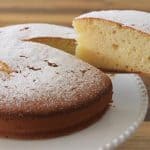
{"x":62,"y":12}
{"x":140,"y":140}
{"x":146,"y":80}
{"x":59,"y":11}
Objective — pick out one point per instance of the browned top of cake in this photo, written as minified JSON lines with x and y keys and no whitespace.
{"x":43,"y":80}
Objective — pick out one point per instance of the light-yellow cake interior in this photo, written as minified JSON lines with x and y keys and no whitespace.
{"x":110,"y":46}
{"x":67,"y":45}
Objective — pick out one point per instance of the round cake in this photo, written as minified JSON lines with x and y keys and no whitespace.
{"x":45,"y":92}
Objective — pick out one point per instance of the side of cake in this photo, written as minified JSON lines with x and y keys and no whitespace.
{"x":114,"y":40}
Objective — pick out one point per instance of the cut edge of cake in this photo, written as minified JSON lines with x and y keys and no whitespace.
{"x":114,"y":44}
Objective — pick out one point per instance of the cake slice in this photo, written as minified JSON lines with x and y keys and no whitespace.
{"x":115,"y":40}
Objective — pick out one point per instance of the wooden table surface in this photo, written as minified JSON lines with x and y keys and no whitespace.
{"x":62,"y":12}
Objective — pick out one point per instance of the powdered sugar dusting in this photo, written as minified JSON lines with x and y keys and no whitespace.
{"x":136,"y":19}
{"x":35,"y":84}
{"x":29,"y":31}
